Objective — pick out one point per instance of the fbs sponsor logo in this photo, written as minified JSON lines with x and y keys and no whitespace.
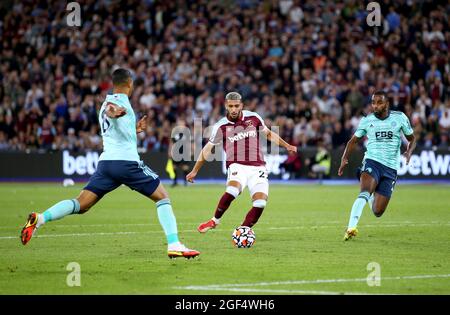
{"x":427,"y":163}
{"x":80,"y":165}
{"x":242,"y":135}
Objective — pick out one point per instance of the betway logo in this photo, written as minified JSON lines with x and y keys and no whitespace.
{"x":80,"y":165}
{"x":242,"y":135}
{"x":427,"y":163}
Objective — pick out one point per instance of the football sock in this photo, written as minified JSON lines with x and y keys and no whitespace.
{"x":167,"y":220}
{"x":224,"y":204}
{"x":371,"y":200}
{"x":357,"y":209}
{"x":59,"y":210}
{"x":254,"y":213}
{"x":252,"y":216}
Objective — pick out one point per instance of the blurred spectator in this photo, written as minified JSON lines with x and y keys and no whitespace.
{"x":444,"y":120}
{"x":291,"y":166}
{"x":321,"y":164}
{"x":46,"y":134}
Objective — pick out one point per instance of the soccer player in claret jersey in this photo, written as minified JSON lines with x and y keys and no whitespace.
{"x":378,"y":172}
{"x":238,"y":133}
{"x":118,"y":164}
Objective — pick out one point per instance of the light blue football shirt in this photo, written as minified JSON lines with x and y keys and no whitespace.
{"x":384,"y":137}
{"x":119,"y":134}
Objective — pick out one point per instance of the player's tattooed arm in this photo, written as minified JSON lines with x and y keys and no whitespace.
{"x":202,"y":158}
{"x":412,"y":141}
{"x":273,"y":137}
{"x":114,"y":111}
{"x":348,"y":149}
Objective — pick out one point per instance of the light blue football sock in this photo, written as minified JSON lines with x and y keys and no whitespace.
{"x":371,"y":200}
{"x":167,"y":220}
{"x":357,"y":209}
{"x":61,"y":209}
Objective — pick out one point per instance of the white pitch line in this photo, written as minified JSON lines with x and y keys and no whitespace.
{"x":368,"y":226}
{"x":240,"y":287}
{"x":193,"y":230}
{"x":323,"y":225}
{"x":138,"y":224}
{"x":92,"y":234}
{"x":100,"y":225}
{"x":318,"y":281}
{"x":292,"y":291}
{"x":77,"y":234}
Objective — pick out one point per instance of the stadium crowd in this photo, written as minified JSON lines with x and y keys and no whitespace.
{"x":307,"y":66}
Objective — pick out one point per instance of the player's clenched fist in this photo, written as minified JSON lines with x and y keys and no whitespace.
{"x":344,"y":163}
{"x":190,"y":177}
{"x":292,"y":148}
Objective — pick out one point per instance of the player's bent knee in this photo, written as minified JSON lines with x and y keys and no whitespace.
{"x":162,"y":202}
{"x":234,"y":191}
{"x":165,"y":195}
{"x":83,"y":210}
{"x":159,"y":194}
{"x":259,"y":203}
{"x":377,"y":213}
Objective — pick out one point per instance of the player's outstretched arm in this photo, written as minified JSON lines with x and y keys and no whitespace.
{"x":273,"y":137}
{"x":114,"y":111}
{"x":204,"y":154}
{"x":348,"y":149}
{"x":412,"y":141}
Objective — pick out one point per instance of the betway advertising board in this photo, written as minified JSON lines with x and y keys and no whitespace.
{"x":424,"y":164}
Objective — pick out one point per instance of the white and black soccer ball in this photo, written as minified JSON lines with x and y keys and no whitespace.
{"x":243,"y":237}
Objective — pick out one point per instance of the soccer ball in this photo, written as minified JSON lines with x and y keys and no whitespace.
{"x":243,"y":237}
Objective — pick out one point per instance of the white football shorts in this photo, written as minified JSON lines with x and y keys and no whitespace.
{"x":255,"y":177}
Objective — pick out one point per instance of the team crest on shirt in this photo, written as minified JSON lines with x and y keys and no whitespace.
{"x":393,"y":124}
{"x":249,"y":123}
{"x":371,"y":126}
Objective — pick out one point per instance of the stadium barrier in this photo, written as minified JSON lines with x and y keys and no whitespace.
{"x":20,"y":166}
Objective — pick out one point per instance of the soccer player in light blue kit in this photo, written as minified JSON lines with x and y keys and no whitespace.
{"x":118,"y":164}
{"x":378,"y":172}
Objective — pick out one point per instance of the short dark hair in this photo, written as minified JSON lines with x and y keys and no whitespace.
{"x":381,"y":93}
{"x":233,"y":96}
{"x":121,"y":76}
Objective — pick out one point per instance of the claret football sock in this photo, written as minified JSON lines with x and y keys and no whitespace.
{"x":167,"y":220}
{"x":59,"y":210}
{"x":255,"y":212}
{"x":252,"y":216}
{"x":224,"y":203}
{"x":357,"y":209}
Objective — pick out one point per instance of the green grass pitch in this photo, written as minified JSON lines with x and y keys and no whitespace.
{"x":120,"y":247}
